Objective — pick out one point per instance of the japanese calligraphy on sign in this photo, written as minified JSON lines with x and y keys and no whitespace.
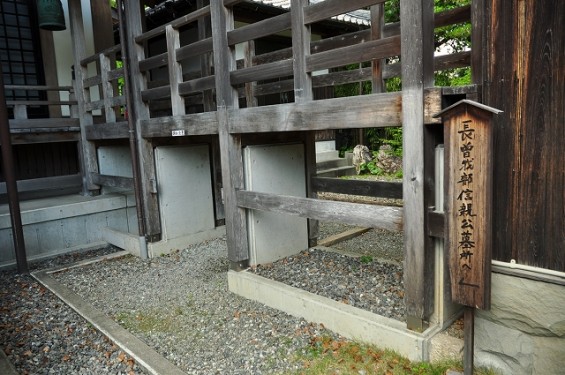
{"x":469,"y":195}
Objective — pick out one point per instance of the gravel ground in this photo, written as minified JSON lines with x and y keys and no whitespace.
{"x":180,"y":305}
{"x":42,"y":335}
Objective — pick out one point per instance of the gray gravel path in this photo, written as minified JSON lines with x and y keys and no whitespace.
{"x":41,"y":335}
{"x":180,"y":305}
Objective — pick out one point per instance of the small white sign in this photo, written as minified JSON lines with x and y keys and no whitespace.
{"x":178,"y":133}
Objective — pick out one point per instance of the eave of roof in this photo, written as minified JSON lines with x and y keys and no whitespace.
{"x":357,"y":17}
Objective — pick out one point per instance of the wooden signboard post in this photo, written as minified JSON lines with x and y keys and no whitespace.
{"x":468,"y":183}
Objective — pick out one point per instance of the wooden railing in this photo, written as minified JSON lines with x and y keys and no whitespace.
{"x":58,"y":120}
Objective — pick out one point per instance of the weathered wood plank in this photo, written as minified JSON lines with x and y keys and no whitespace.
{"x":196,"y":85}
{"x":44,"y":123}
{"x":384,"y":217}
{"x":176,"y":24}
{"x":358,"y":187}
{"x":303,"y":93}
{"x":259,"y":29}
{"x":13,"y":103}
{"x":374,"y":49}
{"x":375,"y":110}
{"x":46,"y":183}
{"x":193,"y":124}
{"x":116,"y":130}
{"x":140,"y":111}
{"x":113,"y":50}
{"x":39,"y":87}
{"x":417,"y":74}
{"x":113,"y":181}
{"x":154,"y":62}
{"x":197,"y":48}
{"x":175,"y":71}
{"x":453,"y":16}
{"x":89,"y":159}
{"x":525,"y":58}
{"x":161,"y":92}
{"x":457,"y":15}
{"x":107,"y":89}
{"x":262,"y":72}
{"x":230,"y":145}
{"x":101,"y":104}
{"x":329,"y":8}
{"x":45,"y":137}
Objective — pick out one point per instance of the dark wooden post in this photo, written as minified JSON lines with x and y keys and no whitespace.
{"x":417,"y":50}
{"x":140,"y":111}
{"x":468,"y":183}
{"x":303,"y":93}
{"x":11,"y":183}
{"x":230,"y":144}
{"x":89,"y":160}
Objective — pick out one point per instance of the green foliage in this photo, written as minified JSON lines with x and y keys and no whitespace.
{"x":394,"y":139}
{"x":370,"y":168}
{"x":453,"y":77}
{"x":366,"y":259}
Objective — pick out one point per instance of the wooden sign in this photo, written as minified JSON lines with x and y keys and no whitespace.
{"x":468,"y":186}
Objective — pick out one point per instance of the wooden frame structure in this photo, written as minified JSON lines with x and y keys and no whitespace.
{"x":198,"y":79}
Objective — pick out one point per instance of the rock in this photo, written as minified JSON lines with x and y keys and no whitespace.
{"x":387,"y":161}
{"x":361,"y":155}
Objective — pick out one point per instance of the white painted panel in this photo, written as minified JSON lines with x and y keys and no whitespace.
{"x":114,"y":161}
{"x":277,"y":169}
{"x":184,"y":185}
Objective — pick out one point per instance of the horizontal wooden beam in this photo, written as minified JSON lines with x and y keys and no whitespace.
{"x":116,"y":101}
{"x":114,"y":130}
{"x":46,"y":183}
{"x":38,"y":88}
{"x":96,"y":57}
{"x":179,"y":22}
{"x":367,"y":111}
{"x":196,"y":85}
{"x":365,"y":215}
{"x":330,"y":8}
{"x":44,"y":123}
{"x":153,"y":62}
{"x":197,"y":48}
{"x":180,"y":126}
{"x":53,"y":135}
{"x":370,"y":50}
{"x":261,"y":72}
{"x":112,"y":181}
{"x":382,"y":189}
{"x":259,"y":29}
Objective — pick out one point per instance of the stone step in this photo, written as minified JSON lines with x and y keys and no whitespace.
{"x":333,"y":163}
{"x":337,"y":172}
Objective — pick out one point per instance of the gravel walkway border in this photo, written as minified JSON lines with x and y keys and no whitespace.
{"x":145,"y":356}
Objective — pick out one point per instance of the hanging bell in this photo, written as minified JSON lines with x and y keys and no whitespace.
{"x":50,"y":15}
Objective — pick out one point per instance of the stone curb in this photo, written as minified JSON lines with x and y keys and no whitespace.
{"x":145,"y":356}
{"x":6,"y":367}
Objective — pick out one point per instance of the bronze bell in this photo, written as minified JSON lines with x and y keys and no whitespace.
{"x":50,"y":15}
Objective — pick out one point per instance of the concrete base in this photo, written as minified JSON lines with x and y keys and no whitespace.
{"x":53,"y":226}
{"x":131,"y":243}
{"x":144,"y":355}
{"x":346,"y":320}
